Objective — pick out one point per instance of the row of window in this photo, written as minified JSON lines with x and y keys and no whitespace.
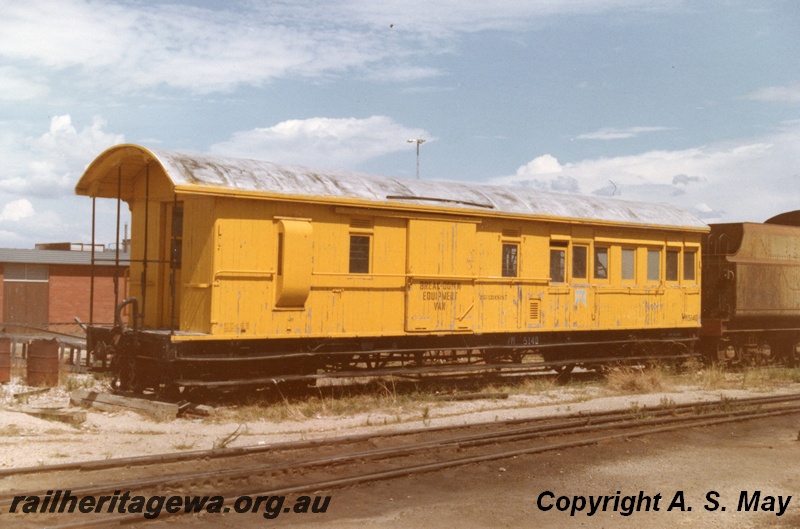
{"x":580,"y":263}
{"x":627,"y":264}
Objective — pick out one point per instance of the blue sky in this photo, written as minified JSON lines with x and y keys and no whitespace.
{"x":694,"y":103}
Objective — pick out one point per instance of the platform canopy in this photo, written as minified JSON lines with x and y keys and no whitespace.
{"x":115,"y":171}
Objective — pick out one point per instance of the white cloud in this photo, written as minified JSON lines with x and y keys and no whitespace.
{"x":17,"y":210}
{"x":611,"y":133}
{"x":133,"y":46}
{"x":446,"y":17}
{"x":38,"y":175}
{"x":17,"y":86}
{"x":404,"y":73}
{"x":50,"y":164}
{"x":129,"y":46}
{"x":23,"y":225}
{"x":777,"y":94}
{"x":541,"y":165}
{"x":750,"y":180}
{"x":324,"y":142}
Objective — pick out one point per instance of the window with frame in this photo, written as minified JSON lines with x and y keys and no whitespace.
{"x":600,"y":262}
{"x":689,"y":264}
{"x":671,"y":270}
{"x":359,"y":254}
{"x":510,"y":260}
{"x":558,"y":264}
{"x":27,"y":272}
{"x":653,"y":265}
{"x":580,"y":263}
{"x":628,"y":264}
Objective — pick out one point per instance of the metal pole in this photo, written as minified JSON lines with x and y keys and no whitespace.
{"x":417,"y":160}
{"x":173,"y":265}
{"x":116,"y":258}
{"x":418,"y":141}
{"x":146,"y":236}
{"x":91,"y":283}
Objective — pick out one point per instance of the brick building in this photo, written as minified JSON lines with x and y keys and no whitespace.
{"x":48,"y":287}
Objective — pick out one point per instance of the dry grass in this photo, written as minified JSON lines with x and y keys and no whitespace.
{"x":526,"y":385}
{"x":383,"y":401}
{"x":70,"y":382}
{"x":770,"y":376}
{"x":380,"y":397}
{"x":756,"y":378}
{"x":10,"y":430}
{"x":393,"y":401}
{"x":636,"y":380}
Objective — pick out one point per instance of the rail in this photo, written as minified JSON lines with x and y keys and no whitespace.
{"x":261,"y":470}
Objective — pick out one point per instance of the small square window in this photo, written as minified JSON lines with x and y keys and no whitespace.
{"x":510,"y":253}
{"x":689,"y":263}
{"x":579,"y":264}
{"x":628,"y":264}
{"x":557,"y":265}
{"x":653,"y":265}
{"x":672,"y":265}
{"x":601,"y":263}
{"x":359,"y":254}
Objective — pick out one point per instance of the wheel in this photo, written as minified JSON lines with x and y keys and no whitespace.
{"x":726,"y":352}
{"x":564,"y":370}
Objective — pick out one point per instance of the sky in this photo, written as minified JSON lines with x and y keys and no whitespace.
{"x":694,"y":103}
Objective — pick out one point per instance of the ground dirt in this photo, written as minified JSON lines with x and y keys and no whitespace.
{"x":761,"y":455}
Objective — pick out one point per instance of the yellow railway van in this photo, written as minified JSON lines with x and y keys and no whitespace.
{"x":250,"y":272}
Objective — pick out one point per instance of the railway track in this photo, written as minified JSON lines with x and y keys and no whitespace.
{"x":450,"y":369}
{"x":319,"y":465}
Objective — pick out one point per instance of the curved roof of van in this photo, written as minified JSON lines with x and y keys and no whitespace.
{"x":118,"y":167}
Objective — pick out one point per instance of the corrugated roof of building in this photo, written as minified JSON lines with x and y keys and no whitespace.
{"x":23,"y":255}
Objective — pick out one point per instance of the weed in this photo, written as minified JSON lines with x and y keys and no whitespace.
{"x":391,"y":400}
{"x":74,"y":381}
{"x":250,"y":412}
{"x":10,"y":430}
{"x":223,"y":442}
{"x":638,"y":412}
{"x":389,"y":394}
{"x":725,"y":404}
{"x":666,"y":402}
{"x":184,"y":445}
{"x":630,"y":380}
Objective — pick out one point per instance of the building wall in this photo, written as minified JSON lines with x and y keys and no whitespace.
{"x":2,"y":293}
{"x":70,"y":287}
